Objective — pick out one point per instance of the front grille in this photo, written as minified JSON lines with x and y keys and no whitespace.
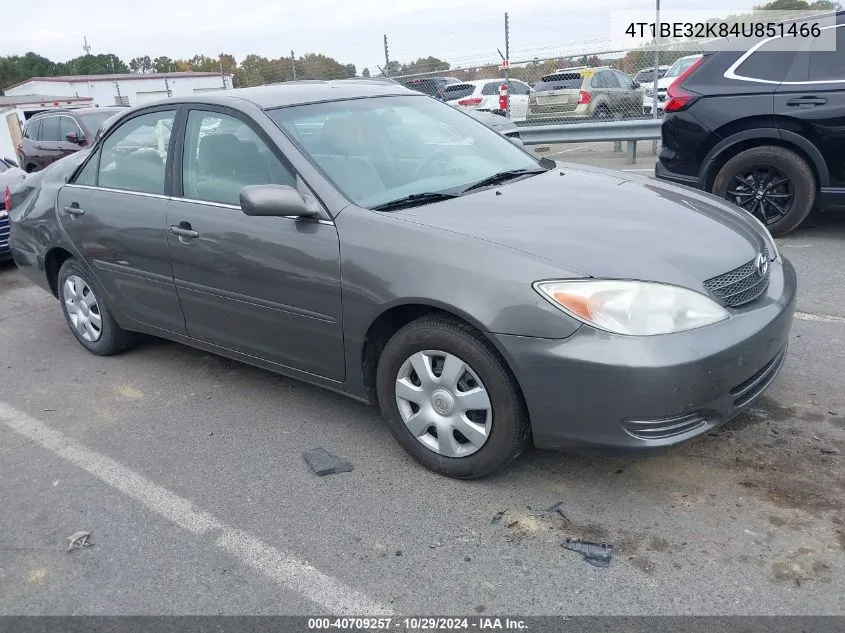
{"x":4,"y":234}
{"x":749,"y":389}
{"x":740,"y":285}
{"x":664,"y":428}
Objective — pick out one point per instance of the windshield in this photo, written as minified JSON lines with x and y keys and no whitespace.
{"x":381,"y":149}
{"x":680,"y":66}
{"x":93,"y":121}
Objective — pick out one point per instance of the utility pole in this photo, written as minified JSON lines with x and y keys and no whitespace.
{"x":293,"y":64}
{"x":507,"y":65}
{"x":386,"y":58}
{"x":656,"y":58}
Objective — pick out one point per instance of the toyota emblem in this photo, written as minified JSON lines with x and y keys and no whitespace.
{"x":762,"y":264}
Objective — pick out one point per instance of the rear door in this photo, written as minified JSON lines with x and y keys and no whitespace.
{"x":811,"y":102}
{"x":115,"y":213}
{"x":631,"y":99}
{"x":268,"y":287}
{"x":518,"y":96}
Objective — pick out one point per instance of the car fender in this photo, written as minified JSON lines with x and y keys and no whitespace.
{"x":713,"y":156}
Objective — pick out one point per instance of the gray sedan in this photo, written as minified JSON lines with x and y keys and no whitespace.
{"x":376,"y":242}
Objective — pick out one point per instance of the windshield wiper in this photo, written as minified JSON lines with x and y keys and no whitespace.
{"x":503,"y":176}
{"x":414,"y":200}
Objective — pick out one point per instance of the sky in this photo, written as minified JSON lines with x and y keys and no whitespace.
{"x":463,"y":32}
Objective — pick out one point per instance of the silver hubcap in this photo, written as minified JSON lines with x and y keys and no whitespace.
{"x":82,"y":308}
{"x":443,"y":403}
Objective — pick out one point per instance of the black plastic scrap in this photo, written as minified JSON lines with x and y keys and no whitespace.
{"x":558,"y":510}
{"x":597,"y":554}
{"x":324,"y":463}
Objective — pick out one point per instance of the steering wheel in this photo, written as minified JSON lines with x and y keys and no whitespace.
{"x":432,"y":159}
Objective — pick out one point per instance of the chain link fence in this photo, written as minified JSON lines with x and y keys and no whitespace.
{"x":591,"y":86}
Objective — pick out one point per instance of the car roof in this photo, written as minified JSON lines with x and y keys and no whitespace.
{"x":54,"y":111}
{"x":292,"y":93}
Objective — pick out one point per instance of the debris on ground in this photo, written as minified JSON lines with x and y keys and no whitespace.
{"x":497,"y":518}
{"x":829,"y":451}
{"x":324,"y":463}
{"x":597,"y":554}
{"x":558,"y":510}
{"x":78,"y":540}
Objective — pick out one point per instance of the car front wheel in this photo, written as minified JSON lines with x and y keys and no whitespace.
{"x":772,"y":183}
{"x":86,"y":313}
{"x":450,"y":400}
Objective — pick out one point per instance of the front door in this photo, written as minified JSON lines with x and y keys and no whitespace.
{"x":51,"y":144}
{"x":268,"y":287}
{"x":115,"y":209}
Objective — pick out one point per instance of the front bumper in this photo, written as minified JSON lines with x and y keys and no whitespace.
{"x":607,"y":391}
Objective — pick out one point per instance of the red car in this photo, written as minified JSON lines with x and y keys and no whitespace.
{"x":50,"y":135}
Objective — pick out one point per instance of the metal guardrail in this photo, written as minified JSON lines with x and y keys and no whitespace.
{"x":629,"y":130}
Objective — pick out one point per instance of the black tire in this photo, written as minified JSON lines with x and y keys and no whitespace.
{"x":509,"y":430}
{"x":788,"y":163}
{"x":602,"y":113}
{"x":112,"y":339}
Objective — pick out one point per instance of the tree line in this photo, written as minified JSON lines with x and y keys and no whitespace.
{"x":253,"y":70}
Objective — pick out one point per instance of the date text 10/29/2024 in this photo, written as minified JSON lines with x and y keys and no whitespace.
{"x":417,"y":624}
{"x":703,"y":30}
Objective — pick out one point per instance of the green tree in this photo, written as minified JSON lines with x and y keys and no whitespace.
{"x":424,"y":65}
{"x":164,"y":65}
{"x":104,"y":64}
{"x":17,"y":68}
{"x":365,"y":72}
{"x":141,"y":65}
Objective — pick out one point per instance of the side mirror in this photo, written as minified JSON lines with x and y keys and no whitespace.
{"x":73,"y":137}
{"x":636,"y":85}
{"x":275,"y":201}
{"x":516,"y":141}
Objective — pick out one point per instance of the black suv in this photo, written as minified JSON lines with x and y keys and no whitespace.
{"x":763,"y":128}
{"x":431,"y":86}
{"x":53,"y":134}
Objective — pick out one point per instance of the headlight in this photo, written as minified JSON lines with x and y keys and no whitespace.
{"x":635,"y":308}
{"x":773,"y":247}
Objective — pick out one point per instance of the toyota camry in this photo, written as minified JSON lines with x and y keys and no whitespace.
{"x":374,"y":241}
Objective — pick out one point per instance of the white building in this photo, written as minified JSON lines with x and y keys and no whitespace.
{"x":109,"y":90}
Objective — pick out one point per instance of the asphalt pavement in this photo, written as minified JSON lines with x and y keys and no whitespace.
{"x":186,"y":470}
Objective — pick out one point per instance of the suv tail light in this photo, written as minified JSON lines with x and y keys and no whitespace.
{"x":678,"y":98}
{"x":469,"y":102}
{"x":584,"y":97}
{"x":7,"y":200}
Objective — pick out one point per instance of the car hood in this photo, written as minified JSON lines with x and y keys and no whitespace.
{"x":601,"y":223}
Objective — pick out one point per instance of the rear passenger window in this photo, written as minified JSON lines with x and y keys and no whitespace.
{"x":768,"y":63}
{"x":829,"y":65}
{"x":32,"y":129}
{"x":491,"y":88}
{"x":50,"y":129}
{"x":134,"y":156}
{"x":223,"y":155}
{"x":458,"y":91}
{"x":603,"y":80}
{"x":518,"y":88}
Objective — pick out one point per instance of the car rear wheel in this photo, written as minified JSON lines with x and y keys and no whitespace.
{"x":602,"y":113}
{"x":86,"y":313}
{"x":450,"y":400}
{"x":772,"y":183}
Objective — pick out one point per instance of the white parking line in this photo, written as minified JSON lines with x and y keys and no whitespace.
{"x":297,"y":575}
{"x":824,"y":318}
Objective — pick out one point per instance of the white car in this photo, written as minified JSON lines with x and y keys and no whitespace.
{"x":675,"y":71}
{"x":483,"y":95}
